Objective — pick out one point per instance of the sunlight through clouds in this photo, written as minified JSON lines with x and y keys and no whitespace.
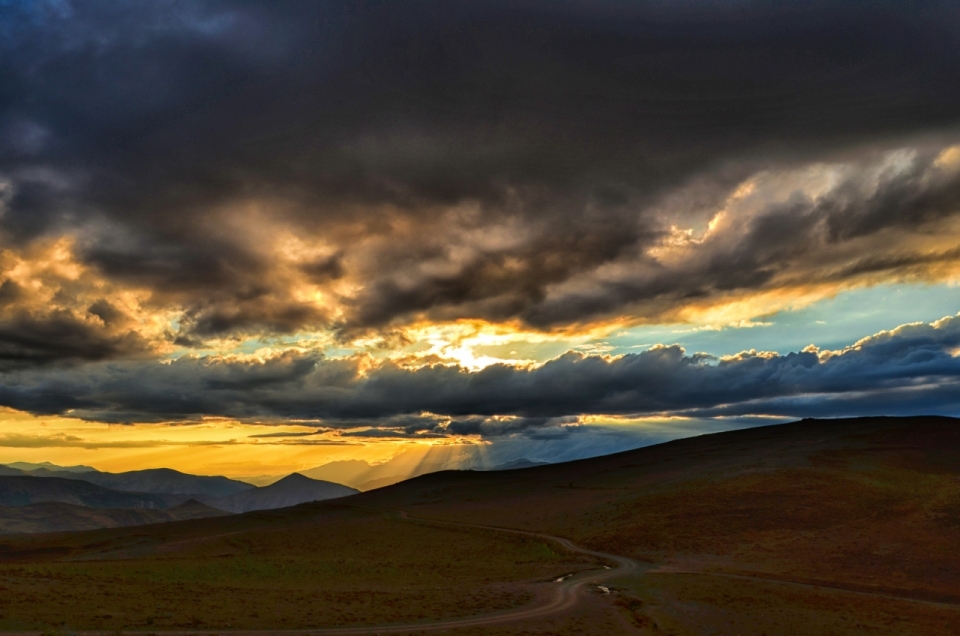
{"x":367,"y":246}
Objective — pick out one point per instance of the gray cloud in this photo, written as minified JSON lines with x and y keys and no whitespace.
{"x":913,"y":369}
{"x":27,"y":338}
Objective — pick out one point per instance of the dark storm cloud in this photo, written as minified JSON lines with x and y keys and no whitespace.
{"x":539,"y":135}
{"x":914,"y":368}
{"x":860,"y":226}
{"x":27,"y":339}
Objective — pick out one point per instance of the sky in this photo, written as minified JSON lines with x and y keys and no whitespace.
{"x":248,"y":238}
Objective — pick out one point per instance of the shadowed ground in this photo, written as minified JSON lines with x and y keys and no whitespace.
{"x":303,"y":567}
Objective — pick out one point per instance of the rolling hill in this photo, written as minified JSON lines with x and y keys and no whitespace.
{"x":22,"y":491}
{"x":292,"y":490}
{"x":59,"y":517}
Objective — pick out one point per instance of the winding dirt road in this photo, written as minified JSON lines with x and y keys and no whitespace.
{"x":561,"y":596}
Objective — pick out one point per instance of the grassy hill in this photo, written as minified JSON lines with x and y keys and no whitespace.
{"x":843,"y":527}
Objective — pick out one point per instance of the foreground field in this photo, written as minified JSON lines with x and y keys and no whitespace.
{"x":837,"y":527}
{"x":306,"y":567}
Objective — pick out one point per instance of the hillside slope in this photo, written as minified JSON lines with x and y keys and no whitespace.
{"x":868,"y":504}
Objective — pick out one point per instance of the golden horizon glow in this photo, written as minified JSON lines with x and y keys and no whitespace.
{"x":213,"y":447}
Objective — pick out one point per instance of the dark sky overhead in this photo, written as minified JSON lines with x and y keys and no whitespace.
{"x":478,"y":220}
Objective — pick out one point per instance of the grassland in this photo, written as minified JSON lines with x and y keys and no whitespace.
{"x":311,"y":566}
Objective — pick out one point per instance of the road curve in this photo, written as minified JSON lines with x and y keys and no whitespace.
{"x":563,"y":596}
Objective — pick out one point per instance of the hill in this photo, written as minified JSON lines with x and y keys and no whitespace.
{"x":842,"y":527}
{"x":155,"y":480}
{"x":22,"y":491}
{"x":290,"y":491}
{"x":60,"y":517}
{"x":863,"y":511}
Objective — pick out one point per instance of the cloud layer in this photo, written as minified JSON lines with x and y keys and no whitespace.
{"x":912,"y":369}
{"x":250,"y":169}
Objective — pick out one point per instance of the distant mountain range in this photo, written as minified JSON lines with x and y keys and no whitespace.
{"x":154,"y":480}
{"x":47,"y":498}
{"x":67,"y":469}
{"x":22,"y":491}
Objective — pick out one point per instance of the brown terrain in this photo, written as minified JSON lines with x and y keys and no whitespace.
{"x":827,"y":527}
